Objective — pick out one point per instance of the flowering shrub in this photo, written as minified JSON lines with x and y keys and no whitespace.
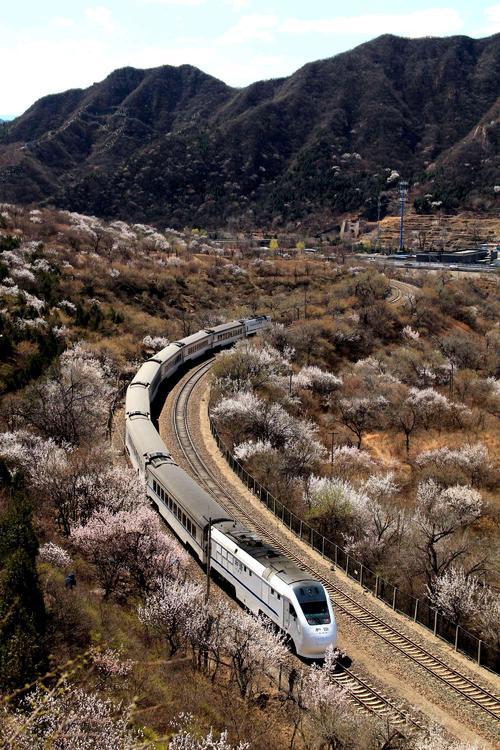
{"x":317,"y":380}
{"x":410,"y":334}
{"x":471,"y":459}
{"x":270,"y":425}
{"x":55,"y":555}
{"x":68,"y":718}
{"x":130,"y":550}
{"x":186,"y":741}
{"x":169,"y":609}
{"x":156,"y":343}
{"x":72,"y":404}
{"x":110,"y":664}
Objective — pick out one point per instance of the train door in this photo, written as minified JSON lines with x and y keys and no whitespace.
{"x":265,"y":595}
{"x":292,"y":625}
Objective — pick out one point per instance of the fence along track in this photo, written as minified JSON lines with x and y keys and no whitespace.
{"x":361,"y":693}
{"x":474,"y":693}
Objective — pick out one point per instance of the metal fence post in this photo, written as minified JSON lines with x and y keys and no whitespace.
{"x":435,"y":622}
{"x":361,"y":575}
{"x":347,"y":564}
{"x":376,"y":586}
{"x":336,"y":555}
{"x":323,"y":547}
{"x":300,"y":529}
{"x":416,"y":610}
{"x":479,"y":652}
{"x":394,"y":598}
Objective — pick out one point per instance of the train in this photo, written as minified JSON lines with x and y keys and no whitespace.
{"x":262,"y":579}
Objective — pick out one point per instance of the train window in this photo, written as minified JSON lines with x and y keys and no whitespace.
{"x":184,"y":519}
{"x":293,"y":613}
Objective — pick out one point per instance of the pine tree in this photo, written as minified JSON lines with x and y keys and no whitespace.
{"x":22,"y":610}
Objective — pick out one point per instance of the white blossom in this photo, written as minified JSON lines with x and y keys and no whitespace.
{"x":348,"y":461}
{"x":23,"y":275}
{"x":317,"y":380}
{"x":168,"y":610}
{"x":129,"y":549}
{"x":245,"y":451}
{"x":110,"y":663}
{"x":184,"y":740}
{"x":409,"y":333}
{"x":472,"y":459}
{"x":455,"y":594}
{"x":68,"y":718}
{"x":156,"y":343}
{"x":55,"y":555}
{"x":65,"y":304}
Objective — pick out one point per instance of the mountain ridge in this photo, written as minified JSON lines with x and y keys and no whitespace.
{"x":174,"y":145}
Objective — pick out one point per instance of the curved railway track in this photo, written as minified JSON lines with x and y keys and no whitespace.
{"x":363,"y":693}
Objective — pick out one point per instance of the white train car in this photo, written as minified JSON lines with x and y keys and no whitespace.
{"x":268,"y":583}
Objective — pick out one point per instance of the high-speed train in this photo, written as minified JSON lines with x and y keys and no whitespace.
{"x":261,"y":578}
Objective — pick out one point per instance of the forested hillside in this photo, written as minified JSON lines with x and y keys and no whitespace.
{"x":175,"y":146}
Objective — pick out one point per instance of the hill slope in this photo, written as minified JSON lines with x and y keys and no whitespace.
{"x":176,"y":146}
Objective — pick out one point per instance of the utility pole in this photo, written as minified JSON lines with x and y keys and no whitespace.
{"x":403,"y":191}
{"x":209,"y":556}
{"x":377,"y":244}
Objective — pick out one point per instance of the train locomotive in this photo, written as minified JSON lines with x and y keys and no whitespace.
{"x":262,"y":579}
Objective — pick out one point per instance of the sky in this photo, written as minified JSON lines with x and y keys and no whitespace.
{"x":55,"y":45}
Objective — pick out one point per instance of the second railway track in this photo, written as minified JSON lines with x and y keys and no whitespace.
{"x":363,"y":693}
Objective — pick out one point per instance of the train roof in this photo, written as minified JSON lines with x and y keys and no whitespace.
{"x":137,"y":400}
{"x":146,"y":373}
{"x":253,"y":545}
{"x":144,"y":435}
{"x":227,"y":326}
{"x":164,"y":354}
{"x":201,"y":506}
{"x":194,"y":338}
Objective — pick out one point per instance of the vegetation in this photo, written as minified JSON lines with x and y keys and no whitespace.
{"x":22,"y":610}
{"x":414,"y":386}
{"x":276,"y":153}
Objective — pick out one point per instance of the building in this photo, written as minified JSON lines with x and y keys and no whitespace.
{"x":460,"y":257}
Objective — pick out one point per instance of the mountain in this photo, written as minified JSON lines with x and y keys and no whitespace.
{"x":175,"y":146}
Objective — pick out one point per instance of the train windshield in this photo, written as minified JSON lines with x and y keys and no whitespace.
{"x":312,"y":600}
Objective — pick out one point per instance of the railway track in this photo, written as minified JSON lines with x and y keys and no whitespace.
{"x":363,"y":693}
